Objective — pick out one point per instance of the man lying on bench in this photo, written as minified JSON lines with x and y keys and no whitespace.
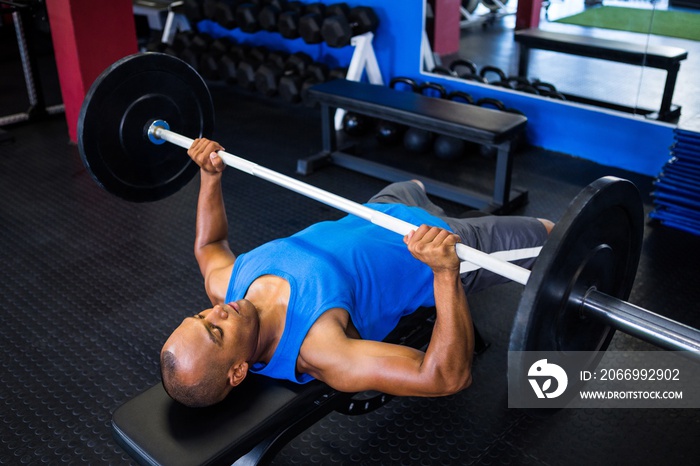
{"x":317,"y":304}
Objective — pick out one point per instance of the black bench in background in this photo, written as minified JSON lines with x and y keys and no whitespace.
{"x":485,"y":126}
{"x":654,"y":56}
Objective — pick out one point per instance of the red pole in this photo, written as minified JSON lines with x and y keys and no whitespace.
{"x":88,"y":36}
{"x":528,"y":14}
{"x":446,"y":30}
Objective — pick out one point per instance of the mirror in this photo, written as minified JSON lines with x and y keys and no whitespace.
{"x":652,"y":27}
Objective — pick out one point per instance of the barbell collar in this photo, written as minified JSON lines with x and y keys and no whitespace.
{"x":642,"y":323}
{"x":151,"y":132}
{"x":158,"y":131}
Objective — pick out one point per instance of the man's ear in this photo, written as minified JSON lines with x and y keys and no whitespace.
{"x":236,"y":374}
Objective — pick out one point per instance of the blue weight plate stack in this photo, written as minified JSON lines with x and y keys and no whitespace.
{"x":677,"y":190}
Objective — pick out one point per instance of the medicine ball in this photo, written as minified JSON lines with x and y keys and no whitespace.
{"x":354,"y":124}
{"x":417,"y":140}
{"x":448,"y":147}
{"x":388,"y":132}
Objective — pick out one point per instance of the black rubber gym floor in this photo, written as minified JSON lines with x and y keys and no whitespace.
{"x":90,"y":287}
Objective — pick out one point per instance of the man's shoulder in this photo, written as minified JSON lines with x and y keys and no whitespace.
{"x":324,"y":339}
{"x":336,"y":318}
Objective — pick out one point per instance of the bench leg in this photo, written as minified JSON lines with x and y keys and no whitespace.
{"x":524,"y":60}
{"x":328,"y":129}
{"x":504,"y":168}
{"x":665,"y":113}
{"x":329,"y":144}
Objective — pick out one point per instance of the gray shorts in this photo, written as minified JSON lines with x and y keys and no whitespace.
{"x":488,"y":233}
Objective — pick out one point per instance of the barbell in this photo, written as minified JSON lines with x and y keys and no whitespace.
{"x":574,"y":297}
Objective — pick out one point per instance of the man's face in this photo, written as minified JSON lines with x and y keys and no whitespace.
{"x":217,"y":337}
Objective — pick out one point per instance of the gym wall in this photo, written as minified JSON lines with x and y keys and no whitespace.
{"x":606,"y":137}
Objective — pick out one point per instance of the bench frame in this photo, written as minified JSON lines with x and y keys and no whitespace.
{"x":654,"y":56}
{"x":440,"y":116}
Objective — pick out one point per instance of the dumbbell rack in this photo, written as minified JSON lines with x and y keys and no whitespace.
{"x":174,"y":22}
{"x":37,"y":107}
{"x":363,"y":60}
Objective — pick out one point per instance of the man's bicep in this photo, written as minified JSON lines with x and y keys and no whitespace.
{"x":216,"y":265}
{"x":362,"y":365}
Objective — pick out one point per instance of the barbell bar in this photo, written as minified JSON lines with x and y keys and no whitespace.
{"x":158,"y":130}
{"x":642,"y":323}
{"x":574,"y":297}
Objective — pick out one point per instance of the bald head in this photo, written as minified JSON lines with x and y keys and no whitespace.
{"x":194,"y":388}
{"x":207,"y":354}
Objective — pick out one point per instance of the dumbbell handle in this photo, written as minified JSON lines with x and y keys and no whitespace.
{"x":464,"y":252}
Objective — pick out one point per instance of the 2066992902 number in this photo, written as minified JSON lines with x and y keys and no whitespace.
{"x":640,"y":374}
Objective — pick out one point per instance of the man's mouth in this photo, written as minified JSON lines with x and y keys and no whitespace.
{"x":235,"y":307}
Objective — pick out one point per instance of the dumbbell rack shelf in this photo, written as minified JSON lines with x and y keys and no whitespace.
{"x":471,"y":123}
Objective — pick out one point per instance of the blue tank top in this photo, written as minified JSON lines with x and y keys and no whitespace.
{"x":350,"y":264}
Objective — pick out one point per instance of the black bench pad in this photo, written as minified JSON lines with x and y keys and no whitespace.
{"x":655,"y":56}
{"x":155,"y":430}
{"x":476,"y":124}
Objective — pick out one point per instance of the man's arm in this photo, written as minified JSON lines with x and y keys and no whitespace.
{"x":211,"y":247}
{"x":353,"y":365}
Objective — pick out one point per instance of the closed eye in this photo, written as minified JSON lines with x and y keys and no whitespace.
{"x":211,"y":330}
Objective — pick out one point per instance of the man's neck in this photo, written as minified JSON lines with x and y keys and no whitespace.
{"x":270,"y":296}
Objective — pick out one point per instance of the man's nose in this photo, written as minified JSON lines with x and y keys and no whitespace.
{"x":218,"y":313}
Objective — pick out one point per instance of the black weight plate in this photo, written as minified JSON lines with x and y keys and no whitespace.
{"x":597,"y":243}
{"x":116,"y":113}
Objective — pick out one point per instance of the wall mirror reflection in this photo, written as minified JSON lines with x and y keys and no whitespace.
{"x":613,"y":54}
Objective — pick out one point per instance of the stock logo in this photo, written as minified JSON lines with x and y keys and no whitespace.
{"x":540,"y":376}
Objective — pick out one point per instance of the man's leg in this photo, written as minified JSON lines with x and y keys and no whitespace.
{"x":487,"y":233}
{"x":495,"y":234}
{"x":410,"y":193}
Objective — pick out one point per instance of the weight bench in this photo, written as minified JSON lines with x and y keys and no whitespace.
{"x":485,"y":126}
{"x":654,"y":56}
{"x":254,"y":422}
